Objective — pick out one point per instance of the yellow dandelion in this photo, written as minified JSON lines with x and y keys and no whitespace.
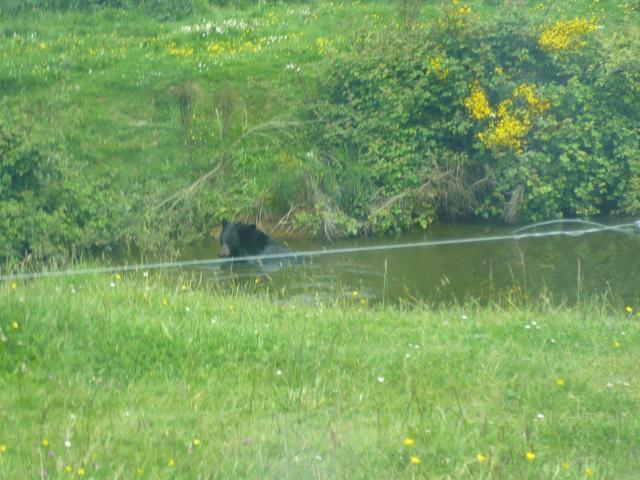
{"x":409,"y":442}
{"x":45,"y":442}
{"x":171,"y":462}
{"x":140,"y":471}
{"x":565,"y":465}
{"x":165,"y":301}
{"x":14,"y":285}
{"x":355,"y":293}
{"x":68,"y":469}
{"x":415,"y":460}
{"x":80,"y":472}
{"x":616,"y":344}
{"x":481,"y":458}
{"x":628,"y":308}
{"x":15,"y":325}
{"x":196,"y":442}
{"x":117,"y":276}
{"x":531,"y":456}
{"x":184,"y":287}
{"x":3,"y":448}
{"x":560,"y":382}
{"x":588,"y":472}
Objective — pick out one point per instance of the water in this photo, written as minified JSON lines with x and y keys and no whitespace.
{"x":564,"y":268}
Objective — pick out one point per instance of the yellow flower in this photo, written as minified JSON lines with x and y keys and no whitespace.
{"x":499,"y":70}
{"x":565,"y":34}
{"x":527,"y":91}
{"x":481,"y":458}
{"x":531,"y":456}
{"x":184,"y":287}
{"x":165,"y":301}
{"x":355,"y":293}
{"x":15,"y":325}
{"x":45,"y":442}
{"x":140,"y":471}
{"x":68,"y":469}
{"x":477,"y":103}
{"x":616,"y":344}
{"x":565,"y":465}
{"x":322,"y":44}
{"x":415,"y":460}
{"x":628,"y":309}
{"x":171,"y":462}
{"x":196,"y":442}
{"x":588,"y":472}
{"x":409,"y":442}
{"x":560,"y":382}
{"x":14,"y":285}
{"x":436,"y":67}
{"x":3,"y":448}
{"x":117,"y":276}
{"x":80,"y":472}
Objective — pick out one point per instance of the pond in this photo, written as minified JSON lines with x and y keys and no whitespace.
{"x":550,"y":260}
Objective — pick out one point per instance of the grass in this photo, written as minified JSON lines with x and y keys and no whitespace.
{"x":166,"y":377}
{"x":104,"y":85}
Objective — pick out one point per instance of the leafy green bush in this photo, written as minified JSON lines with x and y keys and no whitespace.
{"x":505,"y":120}
{"x":48,"y":209}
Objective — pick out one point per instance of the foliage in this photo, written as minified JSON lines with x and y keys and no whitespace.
{"x":542,"y":121}
{"x":47,"y":208}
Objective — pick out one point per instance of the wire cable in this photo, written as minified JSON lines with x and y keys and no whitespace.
{"x":517,"y":235}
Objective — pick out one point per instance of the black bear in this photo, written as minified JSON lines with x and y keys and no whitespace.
{"x":244,"y":240}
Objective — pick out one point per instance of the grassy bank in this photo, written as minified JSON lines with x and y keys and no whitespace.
{"x":161,"y":128}
{"x":155,"y":377}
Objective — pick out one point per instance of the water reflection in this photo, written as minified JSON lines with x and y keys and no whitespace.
{"x":566,"y":267}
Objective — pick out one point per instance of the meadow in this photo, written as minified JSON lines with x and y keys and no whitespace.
{"x":148,"y":375}
{"x":164,"y":126}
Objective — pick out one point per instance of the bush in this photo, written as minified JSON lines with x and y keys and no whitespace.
{"x":505,"y":120}
{"x":46,"y":208}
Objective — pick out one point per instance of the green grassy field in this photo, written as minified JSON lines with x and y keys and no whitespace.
{"x":154,"y":376}
{"x":149,"y":376}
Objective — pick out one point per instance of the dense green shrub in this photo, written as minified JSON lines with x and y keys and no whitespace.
{"x":47,"y":208}
{"x":503,"y":120}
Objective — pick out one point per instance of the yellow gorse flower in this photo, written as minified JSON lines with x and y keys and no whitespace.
{"x":477,"y":103}
{"x":528,"y":93}
{"x":509,"y":131}
{"x":514,"y":116}
{"x":565,"y":34}
{"x":436,"y":67}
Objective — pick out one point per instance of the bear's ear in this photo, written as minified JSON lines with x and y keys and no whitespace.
{"x":224,"y":222}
